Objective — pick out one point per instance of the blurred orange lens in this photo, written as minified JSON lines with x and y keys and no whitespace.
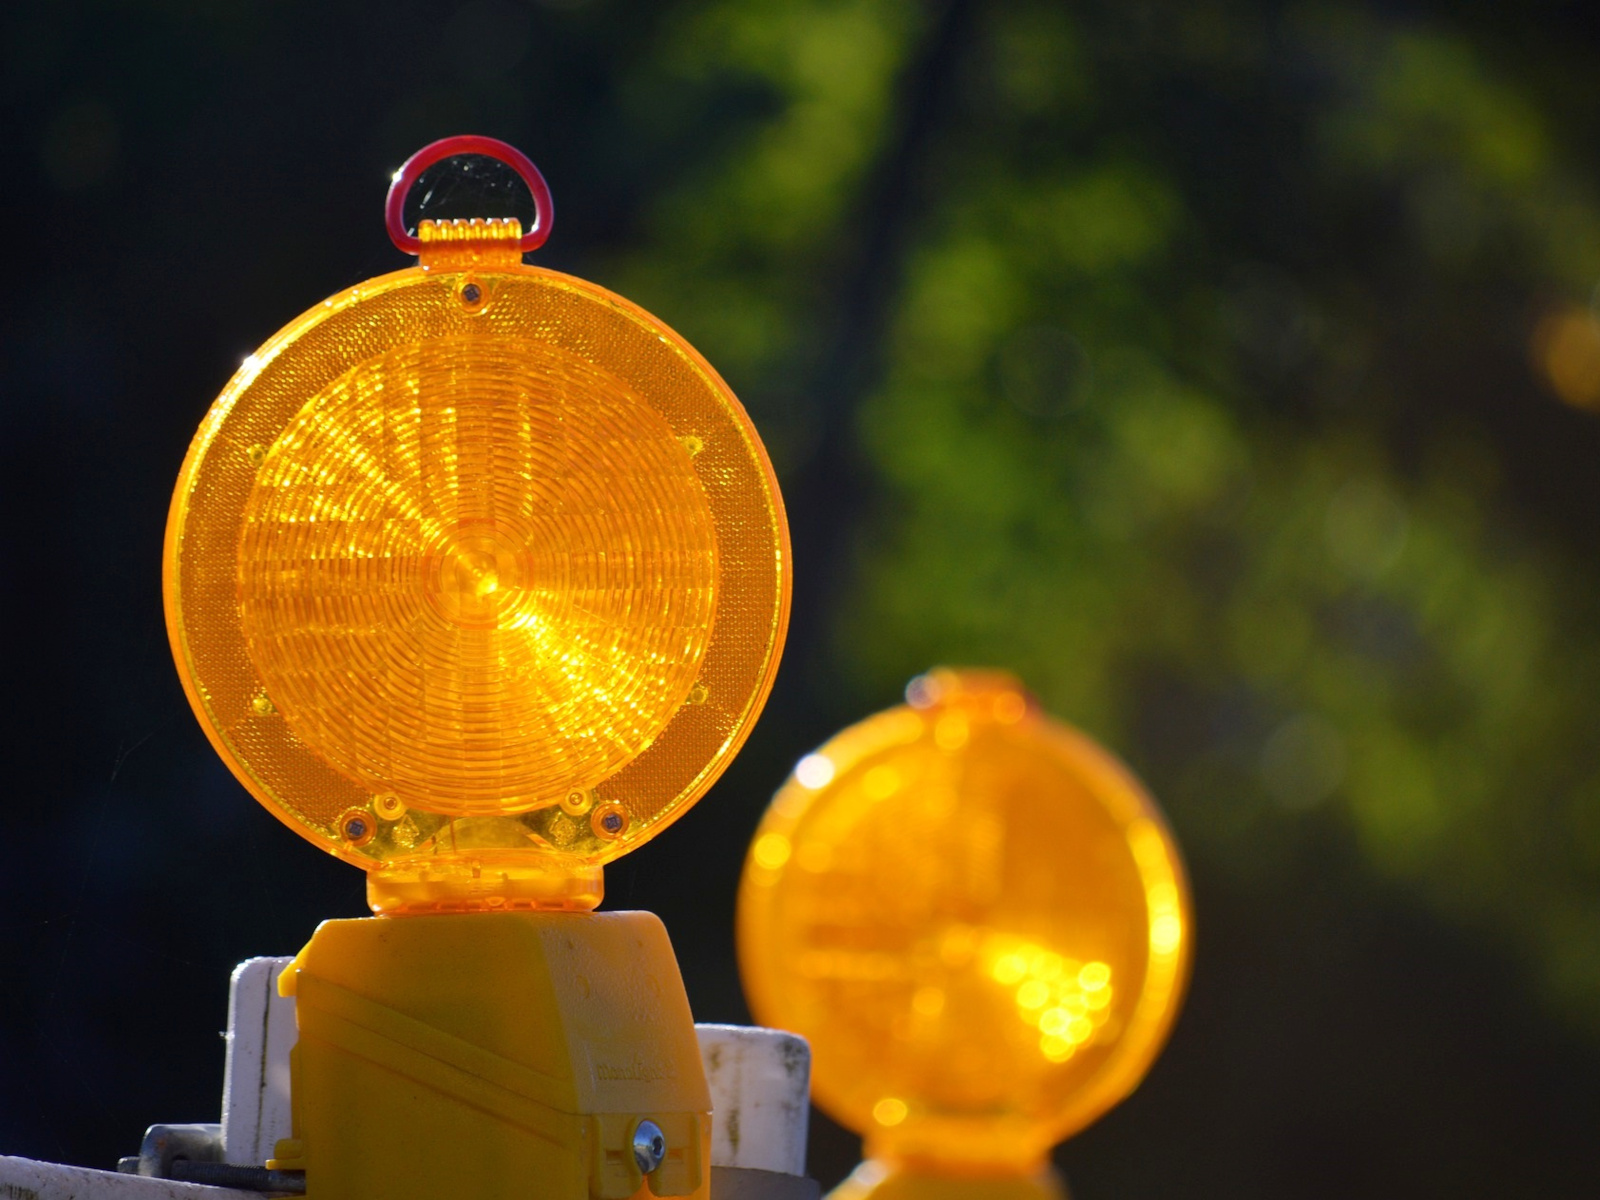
{"x":977,"y":917}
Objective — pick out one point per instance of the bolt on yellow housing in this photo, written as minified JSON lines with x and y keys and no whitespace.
{"x":447,"y":577}
{"x":979,"y":920}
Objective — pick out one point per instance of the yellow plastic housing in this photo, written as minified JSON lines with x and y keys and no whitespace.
{"x":477,"y":575}
{"x":978,"y":918}
{"x":494,"y":1054}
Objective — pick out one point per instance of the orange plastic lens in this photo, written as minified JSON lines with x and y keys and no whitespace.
{"x":460,"y":545}
{"x":481,"y":588}
{"x":978,"y":918}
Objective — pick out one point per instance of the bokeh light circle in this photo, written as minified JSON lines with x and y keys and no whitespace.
{"x":977,"y":917}
{"x":452,"y":564}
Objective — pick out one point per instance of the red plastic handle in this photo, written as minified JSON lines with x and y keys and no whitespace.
{"x":544,"y":209}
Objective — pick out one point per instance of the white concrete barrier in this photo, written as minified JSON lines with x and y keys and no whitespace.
{"x":255,"y":1076}
{"x":760,"y":1097}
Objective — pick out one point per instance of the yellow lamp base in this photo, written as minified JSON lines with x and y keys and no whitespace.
{"x":492,"y":1055}
{"x":881,"y":1181}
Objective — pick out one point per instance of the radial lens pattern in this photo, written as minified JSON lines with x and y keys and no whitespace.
{"x":472,"y":574}
{"x":478,"y":573}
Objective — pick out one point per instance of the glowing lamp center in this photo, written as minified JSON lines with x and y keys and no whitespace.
{"x":478,"y":579}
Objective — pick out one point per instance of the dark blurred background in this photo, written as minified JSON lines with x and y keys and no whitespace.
{"x":1230,"y":369}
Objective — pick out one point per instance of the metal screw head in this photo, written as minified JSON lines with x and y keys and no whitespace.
{"x":649,"y":1146}
{"x":608,"y":821}
{"x":356,"y":827}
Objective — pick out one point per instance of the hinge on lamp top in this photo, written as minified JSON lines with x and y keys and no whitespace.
{"x":481,"y":243}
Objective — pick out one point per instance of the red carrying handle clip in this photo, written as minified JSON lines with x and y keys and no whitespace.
{"x":544,"y":209}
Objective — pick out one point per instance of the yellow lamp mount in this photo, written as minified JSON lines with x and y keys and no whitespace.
{"x":979,"y":920}
{"x":477,"y":576}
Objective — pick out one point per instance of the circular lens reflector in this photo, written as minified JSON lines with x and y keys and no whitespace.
{"x":452,"y":549}
{"x":976,"y":916}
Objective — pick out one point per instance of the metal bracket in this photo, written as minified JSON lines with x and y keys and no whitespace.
{"x":743,"y":1183}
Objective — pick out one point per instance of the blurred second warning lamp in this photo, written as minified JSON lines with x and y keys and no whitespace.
{"x":978,"y":918}
{"x":477,"y":576}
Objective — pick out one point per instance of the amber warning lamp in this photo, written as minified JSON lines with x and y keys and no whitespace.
{"x":477,"y":576}
{"x":979,"y":920}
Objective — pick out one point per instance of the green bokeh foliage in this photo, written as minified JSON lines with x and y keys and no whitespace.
{"x":1153,"y":454}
